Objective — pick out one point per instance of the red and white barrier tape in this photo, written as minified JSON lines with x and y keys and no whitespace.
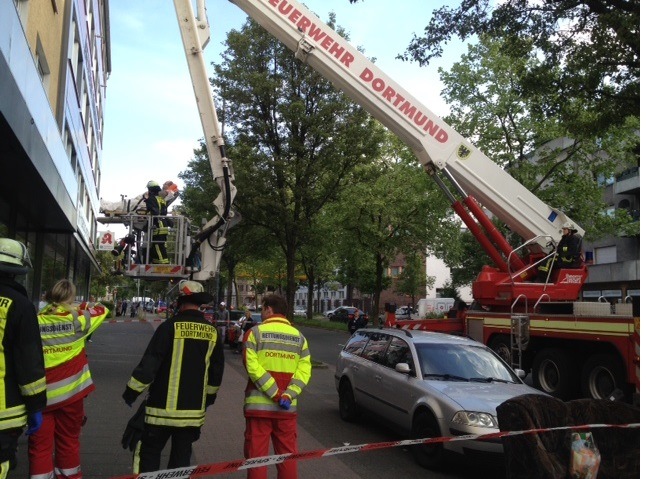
{"x":242,"y":464}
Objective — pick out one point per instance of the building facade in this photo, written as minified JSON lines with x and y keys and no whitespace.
{"x":614,"y":261}
{"x":54,"y":64}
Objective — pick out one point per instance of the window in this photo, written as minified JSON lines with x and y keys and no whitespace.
{"x":376,"y":347}
{"x":356,"y":343}
{"x":41,"y":65}
{"x":606,"y":255}
{"x":398,"y":352}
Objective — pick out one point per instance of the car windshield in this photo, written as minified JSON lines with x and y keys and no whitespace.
{"x":459,"y":362}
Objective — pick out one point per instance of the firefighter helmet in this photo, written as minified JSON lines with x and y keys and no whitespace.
{"x":152,"y":184}
{"x":569,"y":225}
{"x":14,"y":257}
{"x":192,"y":292}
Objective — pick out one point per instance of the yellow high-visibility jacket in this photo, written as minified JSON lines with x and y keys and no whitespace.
{"x":64,"y":330}
{"x":277,"y":360}
{"x":22,"y":372}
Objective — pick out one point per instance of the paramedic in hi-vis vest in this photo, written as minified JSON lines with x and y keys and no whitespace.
{"x":22,"y":373}
{"x":55,"y":450}
{"x":277,"y":360}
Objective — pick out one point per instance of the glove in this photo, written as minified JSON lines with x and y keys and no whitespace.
{"x":129,"y":396}
{"x":134,"y":429}
{"x":34,"y":421}
{"x":211,"y":398}
{"x":285,"y":402}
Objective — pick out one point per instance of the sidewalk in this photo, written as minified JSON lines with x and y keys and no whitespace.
{"x":115,"y":350}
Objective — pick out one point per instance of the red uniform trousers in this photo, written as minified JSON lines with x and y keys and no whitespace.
{"x":58,"y":436}
{"x":283,"y":433}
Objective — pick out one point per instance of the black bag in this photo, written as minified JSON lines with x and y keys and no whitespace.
{"x":134,"y":429}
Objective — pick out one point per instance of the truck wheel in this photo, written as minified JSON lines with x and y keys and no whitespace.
{"x":601,"y":375}
{"x":429,"y":456}
{"x":553,"y":372}
{"x":348,"y":410}
{"x":501,"y":346}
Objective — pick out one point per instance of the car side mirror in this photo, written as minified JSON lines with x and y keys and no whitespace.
{"x":521,"y":373}
{"x":403,"y":368}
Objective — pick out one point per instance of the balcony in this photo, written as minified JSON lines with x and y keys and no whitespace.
{"x":627,"y":182}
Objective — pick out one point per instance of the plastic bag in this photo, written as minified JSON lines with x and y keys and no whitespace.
{"x":585,"y":456}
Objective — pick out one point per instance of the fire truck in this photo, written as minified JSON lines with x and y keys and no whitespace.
{"x":571,"y":347}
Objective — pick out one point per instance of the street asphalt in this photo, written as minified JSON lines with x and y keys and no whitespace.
{"x":115,"y":349}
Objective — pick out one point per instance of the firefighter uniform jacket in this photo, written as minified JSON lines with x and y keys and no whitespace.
{"x":22,"y":372}
{"x":183,"y":365}
{"x":277,"y":360}
{"x":156,"y":206}
{"x":64,"y":330}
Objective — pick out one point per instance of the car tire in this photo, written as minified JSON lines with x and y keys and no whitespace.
{"x":602,"y":374}
{"x":429,"y":456}
{"x":553,"y":371}
{"x":348,"y":409}
{"x":501,"y":346}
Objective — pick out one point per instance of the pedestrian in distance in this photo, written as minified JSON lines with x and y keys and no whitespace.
{"x":277,"y":361}
{"x":22,"y":370}
{"x":55,"y":450}
{"x":223,"y":319}
{"x":356,"y":322}
{"x":182,"y":368}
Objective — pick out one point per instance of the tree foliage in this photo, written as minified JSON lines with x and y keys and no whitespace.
{"x":295,"y":137}
{"x":489,"y":106}
{"x":392,"y":208}
{"x":589,"y":50}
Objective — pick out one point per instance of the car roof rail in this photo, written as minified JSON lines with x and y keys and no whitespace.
{"x":407,"y":332}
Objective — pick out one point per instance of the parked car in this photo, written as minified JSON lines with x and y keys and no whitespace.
{"x":404,"y":312}
{"x":160,"y":307}
{"x":344,"y":314}
{"x":233,"y":333}
{"x":328,"y":313}
{"x":427,"y":385}
{"x":300,"y":312}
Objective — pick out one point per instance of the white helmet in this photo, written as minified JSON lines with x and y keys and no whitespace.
{"x":14,"y":257}
{"x":569,"y":225}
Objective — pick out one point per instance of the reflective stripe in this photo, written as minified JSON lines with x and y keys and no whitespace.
{"x":274,"y":408}
{"x":174,"y":374}
{"x":4,"y":314}
{"x":213,"y":389}
{"x":68,"y":387}
{"x":68,"y":472}
{"x":33,"y":388}
{"x":208,"y":389}
{"x":13,"y":417}
{"x":46,"y":475}
{"x":136,"y":385}
{"x":177,"y":418}
{"x":138,"y":446}
{"x":4,"y":469}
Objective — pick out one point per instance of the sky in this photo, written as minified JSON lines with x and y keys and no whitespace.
{"x":151,"y":119}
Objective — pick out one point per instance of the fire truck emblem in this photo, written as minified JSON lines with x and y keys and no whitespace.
{"x":572,"y":279}
{"x":463,"y":152}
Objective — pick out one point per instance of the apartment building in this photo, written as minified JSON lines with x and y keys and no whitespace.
{"x":614,"y":261}
{"x":54,"y":65}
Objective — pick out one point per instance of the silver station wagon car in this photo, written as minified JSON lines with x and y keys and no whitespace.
{"x":427,"y":384}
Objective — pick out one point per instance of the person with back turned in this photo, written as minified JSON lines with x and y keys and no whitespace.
{"x":22,"y":370}
{"x":182,"y":367}
{"x":277,"y":360}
